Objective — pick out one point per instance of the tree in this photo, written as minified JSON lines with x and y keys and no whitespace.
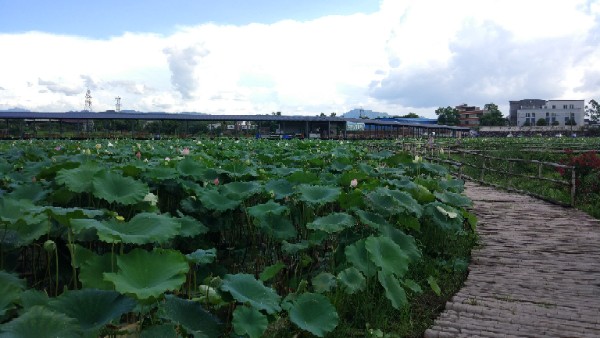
{"x":492,"y":116}
{"x":409,"y":116}
{"x":448,"y":116}
{"x":593,"y":110}
{"x":541,"y":122}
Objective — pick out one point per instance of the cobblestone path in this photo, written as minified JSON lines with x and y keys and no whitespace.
{"x":536,"y":274}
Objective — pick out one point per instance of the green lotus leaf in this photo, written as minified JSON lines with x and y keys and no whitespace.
{"x":314,"y":313}
{"x":434,"y":169}
{"x":92,"y":309}
{"x":24,"y":231}
{"x":93,"y":269}
{"x":283,"y":171}
{"x":294,"y":248}
{"x":33,"y":192}
{"x":331,"y":223}
{"x":303,"y":177}
{"x":147,"y":275}
{"x":246,"y":289}
{"x":383,"y":203}
{"x":33,"y":297}
{"x":249,"y":321}
{"x":352,"y":199}
{"x":454,"y":199}
{"x":406,"y":242}
{"x":421,"y":194}
{"x":271,"y":271}
{"x":271,"y":207}
{"x":238,"y":169}
{"x":161,"y":173}
{"x":241,"y":190}
{"x":40,"y":322}
{"x":352,"y":280}
{"x":453,"y":185}
{"x":278,"y":227}
{"x":407,"y":202}
{"x":190,"y":167}
{"x":443,"y":216}
{"x":190,"y":227}
{"x":387,"y":255}
{"x":80,"y":179}
{"x":143,"y":228}
{"x":358,"y":255}
{"x":12,"y":210}
{"x":412,"y":285}
{"x":79,"y":254}
{"x":318,"y":195}
{"x":10,"y":289}
{"x":113,"y":187}
{"x":340,"y":166}
{"x":208,"y":295}
{"x":403,"y":183}
{"x":324,"y":282}
{"x":202,"y":256}
{"x":370,"y":218}
{"x":160,"y":331}
{"x":393,"y":290}
{"x":65,"y":215}
{"x":191,"y":316}
{"x":280,"y":189}
{"x":213,"y":200}
{"x":434,"y":285}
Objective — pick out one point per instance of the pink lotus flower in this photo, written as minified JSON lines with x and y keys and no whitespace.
{"x":58,"y":148}
{"x":185,"y":151}
{"x":216,"y":181}
{"x":138,"y":155}
{"x":353,"y":183}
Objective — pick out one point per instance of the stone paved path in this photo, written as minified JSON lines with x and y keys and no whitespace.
{"x":536,"y":274}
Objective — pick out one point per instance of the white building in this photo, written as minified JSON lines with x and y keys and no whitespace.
{"x":555,"y":112}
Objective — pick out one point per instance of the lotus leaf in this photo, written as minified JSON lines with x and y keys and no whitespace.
{"x":324,"y":282}
{"x":421,"y":194}
{"x":352,"y":199}
{"x":271,"y":207}
{"x":406,"y":201}
{"x":358,"y":255}
{"x":314,"y":313}
{"x":213,"y":200}
{"x":143,"y":228}
{"x":332,"y":223}
{"x":406,"y":242}
{"x":434,"y":169}
{"x":65,"y":215}
{"x":10,"y":289}
{"x":249,"y":321}
{"x":79,"y":254}
{"x":393,"y":290}
{"x":383,"y":203}
{"x":190,"y":167}
{"x":40,"y":322}
{"x":32,"y":192}
{"x":238,"y":169}
{"x":80,"y":179}
{"x":161,"y":173}
{"x":202,"y":256}
{"x":283,"y":171}
{"x":279,"y":188}
{"x":191,"y":316}
{"x":387,"y":255}
{"x":93,"y":269}
{"x":371,"y":219}
{"x":352,"y":280}
{"x":454,"y":199}
{"x":113,"y":187}
{"x":246,"y":289}
{"x":241,"y":190}
{"x":294,"y":248}
{"x":190,"y":226}
{"x":271,"y":271}
{"x":443,"y":216}
{"x":33,"y":297}
{"x":434,"y":285}
{"x":147,"y":275}
{"x":278,"y":227}
{"x":159,"y":331}
{"x":412,"y":285}
{"x":92,"y":309}
{"x":318,"y":195}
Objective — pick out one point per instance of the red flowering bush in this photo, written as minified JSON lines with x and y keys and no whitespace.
{"x":587,"y":166}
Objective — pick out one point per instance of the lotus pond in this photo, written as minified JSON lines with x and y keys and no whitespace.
{"x":225,"y":238}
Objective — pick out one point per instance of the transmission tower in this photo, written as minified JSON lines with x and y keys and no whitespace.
{"x":118,"y":104}
{"x":88,"y":101}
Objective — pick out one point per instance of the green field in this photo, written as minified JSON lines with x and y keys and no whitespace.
{"x":226,"y":238}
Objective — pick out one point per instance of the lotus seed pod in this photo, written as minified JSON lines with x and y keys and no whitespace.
{"x":49,"y":246}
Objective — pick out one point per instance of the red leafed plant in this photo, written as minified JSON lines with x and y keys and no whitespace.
{"x":586,"y":165}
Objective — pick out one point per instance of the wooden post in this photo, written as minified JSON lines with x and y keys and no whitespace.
{"x":573,"y":186}
{"x":540,"y":170}
{"x":482,"y":170}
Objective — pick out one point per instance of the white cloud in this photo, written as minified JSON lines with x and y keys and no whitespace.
{"x":410,"y":56}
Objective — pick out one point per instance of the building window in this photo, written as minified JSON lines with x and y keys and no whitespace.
{"x":527,"y":115}
{"x":553,"y":106}
{"x":565,"y":106}
{"x":571,"y":106}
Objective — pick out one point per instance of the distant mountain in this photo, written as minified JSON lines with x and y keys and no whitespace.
{"x":15,"y":110}
{"x":358,"y":113}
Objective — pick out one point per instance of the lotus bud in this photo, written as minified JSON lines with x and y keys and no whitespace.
{"x":353,"y":183}
{"x":98,"y":146}
{"x":119,"y":218}
{"x":49,"y":246}
{"x":151,"y":198}
{"x":216,"y":181}
{"x":138,"y":155}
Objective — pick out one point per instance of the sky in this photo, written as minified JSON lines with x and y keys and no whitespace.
{"x":296,"y":57}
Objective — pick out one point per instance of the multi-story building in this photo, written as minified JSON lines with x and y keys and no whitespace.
{"x":554,"y":112}
{"x":469,"y":115}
